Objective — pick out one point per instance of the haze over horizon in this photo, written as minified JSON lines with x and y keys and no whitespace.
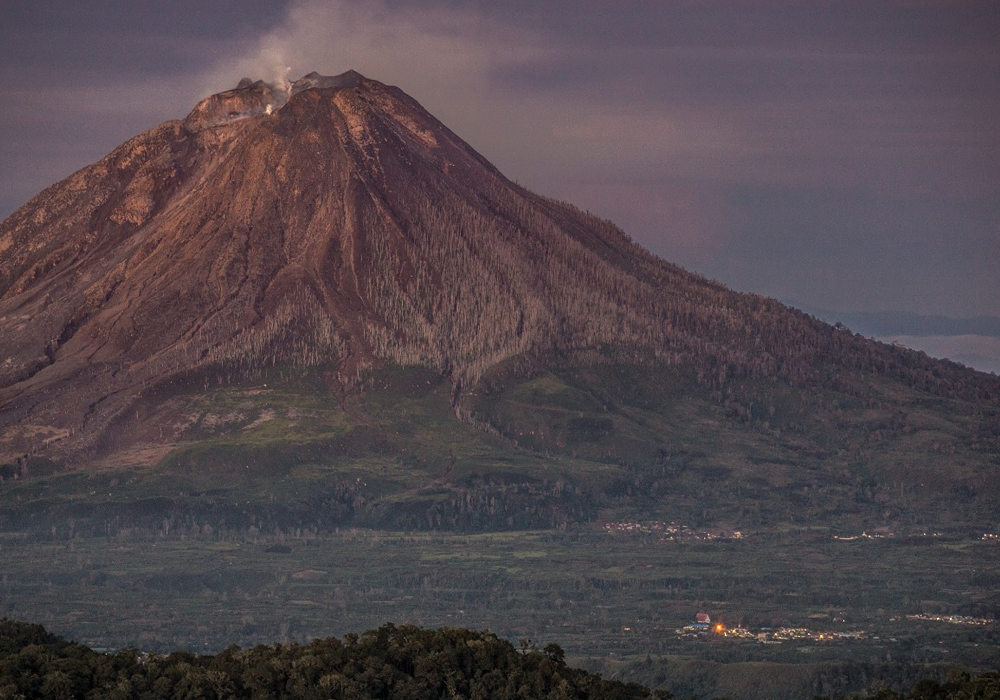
{"x":835,"y":155}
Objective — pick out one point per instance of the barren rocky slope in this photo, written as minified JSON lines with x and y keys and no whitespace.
{"x":339,"y":225}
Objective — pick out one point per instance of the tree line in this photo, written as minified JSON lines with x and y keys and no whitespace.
{"x":397,"y":663}
{"x":402,"y":663}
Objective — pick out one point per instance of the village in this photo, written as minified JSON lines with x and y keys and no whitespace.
{"x":879,"y":533}
{"x":673,"y":531}
{"x":703,"y":627}
{"x":670,"y":531}
{"x":882,"y":533}
{"x":952,"y":619}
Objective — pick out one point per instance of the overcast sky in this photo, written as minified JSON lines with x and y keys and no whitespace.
{"x":841,"y":155}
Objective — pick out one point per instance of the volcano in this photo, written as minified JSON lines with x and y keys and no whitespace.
{"x":336,"y":228}
{"x":304,"y":361}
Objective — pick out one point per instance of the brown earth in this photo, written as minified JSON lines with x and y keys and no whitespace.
{"x":344,"y":228}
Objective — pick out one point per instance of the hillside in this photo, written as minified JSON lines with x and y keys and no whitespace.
{"x":390,"y":662}
{"x":297,"y":316}
{"x":344,"y":229}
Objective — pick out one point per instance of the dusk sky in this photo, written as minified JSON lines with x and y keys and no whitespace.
{"x":840,"y":155}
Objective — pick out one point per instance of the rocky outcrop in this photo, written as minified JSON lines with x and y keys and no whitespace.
{"x":249,"y":99}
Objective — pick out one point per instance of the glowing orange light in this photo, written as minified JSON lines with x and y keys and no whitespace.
{"x":720,"y":629}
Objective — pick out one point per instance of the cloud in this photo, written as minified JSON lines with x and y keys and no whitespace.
{"x":468,"y":66}
{"x":443,"y":56}
{"x":434,"y":50}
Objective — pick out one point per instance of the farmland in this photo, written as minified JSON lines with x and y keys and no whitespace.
{"x":596,"y":519}
{"x":598,"y":595}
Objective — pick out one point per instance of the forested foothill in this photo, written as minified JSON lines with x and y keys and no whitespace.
{"x":389,"y":663}
{"x":398,"y":663}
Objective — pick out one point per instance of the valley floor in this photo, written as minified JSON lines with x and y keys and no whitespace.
{"x":601,"y":594}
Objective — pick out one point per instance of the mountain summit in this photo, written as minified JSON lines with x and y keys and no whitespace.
{"x":334,"y":224}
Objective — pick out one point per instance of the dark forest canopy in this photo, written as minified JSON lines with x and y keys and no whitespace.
{"x":390,"y":662}
{"x":404,"y":663}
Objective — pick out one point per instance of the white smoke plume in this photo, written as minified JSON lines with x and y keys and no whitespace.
{"x":461,"y":63}
{"x":445,"y":57}
{"x":280,"y":84}
{"x":415,"y":48}
{"x":457,"y":61}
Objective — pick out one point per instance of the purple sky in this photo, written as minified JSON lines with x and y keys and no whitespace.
{"x":841,"y":155}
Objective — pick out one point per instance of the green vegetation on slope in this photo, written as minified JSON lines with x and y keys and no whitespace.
{"x":401,"y":663}
{"x":530,"y":448}
{"x":298,"y":511}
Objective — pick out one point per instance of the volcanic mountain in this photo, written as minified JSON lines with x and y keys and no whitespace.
{"x":338,"y":230}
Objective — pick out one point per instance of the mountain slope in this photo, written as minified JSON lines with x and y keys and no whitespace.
{"x":338,"y":228}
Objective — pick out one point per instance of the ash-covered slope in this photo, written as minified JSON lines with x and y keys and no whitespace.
{"x":338,"y":224}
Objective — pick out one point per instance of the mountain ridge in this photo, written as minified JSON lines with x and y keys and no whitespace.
{"x":299,"y":370}
{"x":333,"y":222}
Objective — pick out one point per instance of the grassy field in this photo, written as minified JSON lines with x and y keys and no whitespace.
{"x":598,"y":594}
